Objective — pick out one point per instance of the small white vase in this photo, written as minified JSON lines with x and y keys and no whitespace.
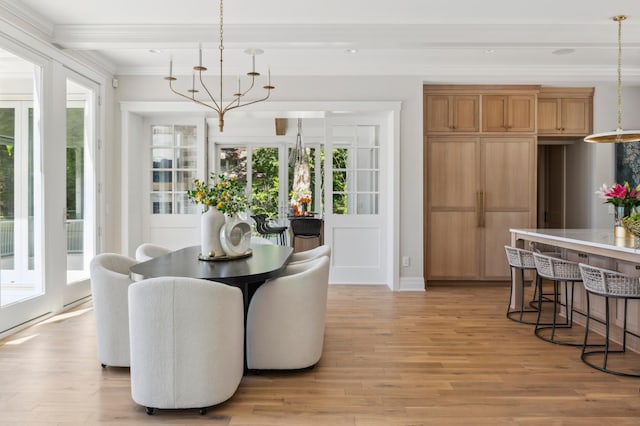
{"x":235,"y":236}
{"x":211,"y":222}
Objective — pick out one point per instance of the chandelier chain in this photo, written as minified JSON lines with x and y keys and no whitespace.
{"x":620,"y":19}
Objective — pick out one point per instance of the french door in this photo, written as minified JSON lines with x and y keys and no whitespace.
{"x":81,"y":222}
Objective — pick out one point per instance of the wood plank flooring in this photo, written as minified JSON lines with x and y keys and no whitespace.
{"x":447,"y":356}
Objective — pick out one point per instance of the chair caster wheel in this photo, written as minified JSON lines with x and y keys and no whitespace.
{"x":151,"y":411}
{"x":202,"y":411}
{"x":104,"y":365}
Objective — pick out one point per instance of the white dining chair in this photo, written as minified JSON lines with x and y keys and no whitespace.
{"x":314,"y":253}
{"x":110,"y":281}
{"x":186,"y":342}
{"x":286,"y":319}
{"x":148,"y":251}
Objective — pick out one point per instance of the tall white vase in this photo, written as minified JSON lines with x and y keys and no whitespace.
{"x":211,"y":222}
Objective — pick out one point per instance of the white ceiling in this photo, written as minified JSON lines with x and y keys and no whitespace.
{"x":452,"y":40}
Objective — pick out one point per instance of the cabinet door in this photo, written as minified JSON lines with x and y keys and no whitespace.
{"x":549,"y":116}
{"x":453,"y":245}
{"x":508,"y":181}
{"x":452,"y":214}
{"x":508,"y":169}
{"x":439,"y":113}
{"x":576,"y":116}
{"x":494,"y":113}
{"x":452,"y":172}
{"x":466,"y":113}
{"x":452,"y":113}
{"x":521,"y":116}
{"x":508,"y":113}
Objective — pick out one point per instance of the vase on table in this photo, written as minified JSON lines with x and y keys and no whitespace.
{"x":235,"y":236}
{"x":211,"y":222}
{"x":619,"y":231}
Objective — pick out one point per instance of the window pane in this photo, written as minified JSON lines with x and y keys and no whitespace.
{"x":368,"y":158}
{"x":162,"y":135}
{"x":186,"y":158}
{"x":185,"y":135}
{"x":161,"y":203}
{"x":162,"y":158}
{"x":184,"y":180}
{"x":265,"y":185}
{"x":7,"y":170}
{"x":367,"y":181}
{"x":367,"y":204}
{"x":185,"y":206}
{"x":161,"y":181}
{"x":340,"y":203}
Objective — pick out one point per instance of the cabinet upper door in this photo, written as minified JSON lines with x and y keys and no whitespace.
{"x":576,"y":116}
{"x":549,"y":116}
{"x":452,"y":113}
{"x":564,"y":116}
{"x":508,"y":113}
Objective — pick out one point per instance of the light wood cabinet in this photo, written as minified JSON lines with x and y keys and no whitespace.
{"x":477,"y":188}
{"x":509,"y":113}
{"x":452,"y":113}
{"x":565,"y":112}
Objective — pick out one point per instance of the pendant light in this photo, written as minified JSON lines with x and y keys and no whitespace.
{"x":618,"y":135}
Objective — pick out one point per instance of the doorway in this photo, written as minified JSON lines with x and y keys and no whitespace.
{"x":552,"y":183}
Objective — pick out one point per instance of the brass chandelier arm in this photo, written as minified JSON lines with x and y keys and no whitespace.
{"x":219,"y":104}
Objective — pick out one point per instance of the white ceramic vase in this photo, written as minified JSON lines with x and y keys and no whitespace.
{"x":235,"y":236}
{"x":211,"y":222}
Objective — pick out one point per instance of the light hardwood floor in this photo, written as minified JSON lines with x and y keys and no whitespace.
{"x":444,"y":357}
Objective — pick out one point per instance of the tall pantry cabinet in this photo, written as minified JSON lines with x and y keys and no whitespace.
{"x":480,"y":177}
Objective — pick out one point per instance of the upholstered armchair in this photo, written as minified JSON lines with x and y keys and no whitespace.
{"x":147,"y":251}
{"x":109,"y":285}
{"x":186,"y":342}
{"x":303,"y":256}
{"x":285,"y":322}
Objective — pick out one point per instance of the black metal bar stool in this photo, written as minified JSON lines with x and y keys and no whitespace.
{"x":610,"y":285}
{"x":519,"y":260}
{"x":264,"y":228}
{"x":559,"y":271}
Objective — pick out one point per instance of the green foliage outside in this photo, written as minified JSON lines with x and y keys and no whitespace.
{"x":7,"y":124}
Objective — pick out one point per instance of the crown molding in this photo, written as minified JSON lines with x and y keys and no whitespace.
{"x":20,"y":15}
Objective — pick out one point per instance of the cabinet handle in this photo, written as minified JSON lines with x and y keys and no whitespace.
{"x":480,"y":209}
{"x":453,"y":127}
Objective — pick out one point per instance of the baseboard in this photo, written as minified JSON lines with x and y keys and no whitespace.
{"x":411,"y":284}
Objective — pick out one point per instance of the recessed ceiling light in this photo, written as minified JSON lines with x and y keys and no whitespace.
{"x":563,"y":51}
{"x":490,"y":51}
{"x":155,"y":51}
{"x":351,"y":51}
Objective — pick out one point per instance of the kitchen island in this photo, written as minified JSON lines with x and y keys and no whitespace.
{"x":597,"y":247}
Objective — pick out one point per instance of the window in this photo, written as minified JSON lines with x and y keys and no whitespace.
{"x":174,"y":166}
{"x":356,"y":171}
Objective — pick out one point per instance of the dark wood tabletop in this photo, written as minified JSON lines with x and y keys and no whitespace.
{"x":266,"y":261}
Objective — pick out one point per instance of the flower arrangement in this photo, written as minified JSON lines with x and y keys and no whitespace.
{"x":226,"y":194}
{"x":621,"y":196}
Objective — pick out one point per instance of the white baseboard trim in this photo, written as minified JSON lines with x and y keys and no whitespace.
{"x":411,"y":284}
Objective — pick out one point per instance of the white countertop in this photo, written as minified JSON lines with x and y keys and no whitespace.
{"x":598,"y":238}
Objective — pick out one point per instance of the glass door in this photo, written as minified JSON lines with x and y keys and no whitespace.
{"x":22,"y":290}
{"x":81,"y":196}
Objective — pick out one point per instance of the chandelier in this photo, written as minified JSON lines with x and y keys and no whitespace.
{"x":210,"y":100}
{"x":618,"y":135}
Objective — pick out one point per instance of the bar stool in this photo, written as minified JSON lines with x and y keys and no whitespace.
{"x":614,"y":285}
{"x":520,"y":260}
{"x":559,"y":271}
